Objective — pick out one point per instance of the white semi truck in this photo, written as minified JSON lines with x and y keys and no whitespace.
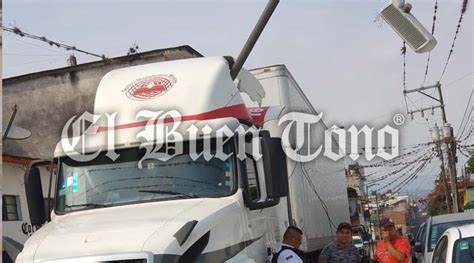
{"x":131,"y":204}
{"x":184,"y":209}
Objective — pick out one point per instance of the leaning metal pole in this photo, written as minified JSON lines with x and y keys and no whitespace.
{"x":257,"y":30}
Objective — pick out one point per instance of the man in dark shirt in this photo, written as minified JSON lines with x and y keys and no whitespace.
{"x":289,"y":252}
{"x":342,"y":249}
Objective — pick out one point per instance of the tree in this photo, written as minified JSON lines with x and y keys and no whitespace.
{"x":470,"y":165}
{"x":437,"y":206}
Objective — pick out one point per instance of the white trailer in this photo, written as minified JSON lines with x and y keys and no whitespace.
{"x":185,"y":209}
{"x":327,"y":176}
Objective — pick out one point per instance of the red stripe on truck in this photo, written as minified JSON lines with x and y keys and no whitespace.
{"x":238,"y":111}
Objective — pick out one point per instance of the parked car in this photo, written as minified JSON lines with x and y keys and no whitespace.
{"x":416,"y":240}
{"x":456,"y":245}
{"x":431,"y":231}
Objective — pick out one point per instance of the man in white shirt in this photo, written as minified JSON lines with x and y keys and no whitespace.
{"x":289,"y":252}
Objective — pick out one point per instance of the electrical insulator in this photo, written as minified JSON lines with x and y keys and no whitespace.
{"x":435,"y":133}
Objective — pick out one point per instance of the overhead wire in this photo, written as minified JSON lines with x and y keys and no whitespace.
{"x":426,"y":177}
{"x":17,"y":31}
{"x":392,"y":170}
{"x":403,"y":51}
{"x":450,"y":84}
{"x":462,"y":152}
{"x":465,"y":112}
{"x":458,"y":27}
{"x":409,"y":166}
{"x":32,"y":55}
{"x":416,"y":149}
{"x":409,"y":178}
{"x":467,"y":124}
{"x":323,"y":204}
{"x":469,"y":135}
{"x":432,"y":32}
{"x":34,"y":45}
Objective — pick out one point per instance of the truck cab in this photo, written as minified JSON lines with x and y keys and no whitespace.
{"x":139,"y":207}
{"x":186,"y":164}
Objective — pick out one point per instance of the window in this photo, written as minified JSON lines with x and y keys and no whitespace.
{"x":102,"y":182}
{"x":252,"y":178}
{"x":463,"y":250}
{"x":420,"y":233}
{"x":439,"y":254}
{"x":420,"y":236}
{"x":11,"y":208}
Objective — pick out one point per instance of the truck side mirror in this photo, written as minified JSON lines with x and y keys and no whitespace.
{"x":274,"y":163}
{"x":34,"y":194}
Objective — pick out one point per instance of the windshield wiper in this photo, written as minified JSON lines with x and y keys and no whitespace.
{"x":89,"y":205}
{"x":182,"y":195}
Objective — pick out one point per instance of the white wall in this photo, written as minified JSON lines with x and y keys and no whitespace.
{"x":13,"y":184}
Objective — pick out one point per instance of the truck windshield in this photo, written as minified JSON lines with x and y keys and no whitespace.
{"x":103,"y":182}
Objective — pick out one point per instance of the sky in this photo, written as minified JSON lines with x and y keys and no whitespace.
{"x":344,"y":57}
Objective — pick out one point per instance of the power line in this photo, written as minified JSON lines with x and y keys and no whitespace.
{"x":323,"y":204}
{"x":468,"y":135}
{"x":465,"y":112}
{"x":424,"y":157}
{"x":419,"y":99}
{"x":463,"y":153}
{"x":468,"y":120}
{"x":403,"y":51}
{"x":399,"y":157}
{"x":458,"y":27}
{"x":34,"y":45}
{"x":32,"y":55}
{"x":19,"y":32}
{"x":424,"y":179}
{"x":411,"y":177}
{"x":373,"y":181}
{"x":458,"y":79}
{"x":432,"y":32}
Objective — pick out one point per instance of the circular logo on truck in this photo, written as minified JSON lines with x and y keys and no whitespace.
{"x":149,"y":87}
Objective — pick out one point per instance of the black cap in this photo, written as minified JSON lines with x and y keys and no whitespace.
{"x":386,"y":222}
{"x":344,"y":225}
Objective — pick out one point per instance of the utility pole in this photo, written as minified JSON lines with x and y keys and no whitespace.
{"x":436,"y":139}
{"x":371,"y":224}
{"x":451,"y":152}
{"x":378,"y":213}
{"x":448,"y":138}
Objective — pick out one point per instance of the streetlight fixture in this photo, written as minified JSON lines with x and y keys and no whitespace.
{"x":397,"y":15}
